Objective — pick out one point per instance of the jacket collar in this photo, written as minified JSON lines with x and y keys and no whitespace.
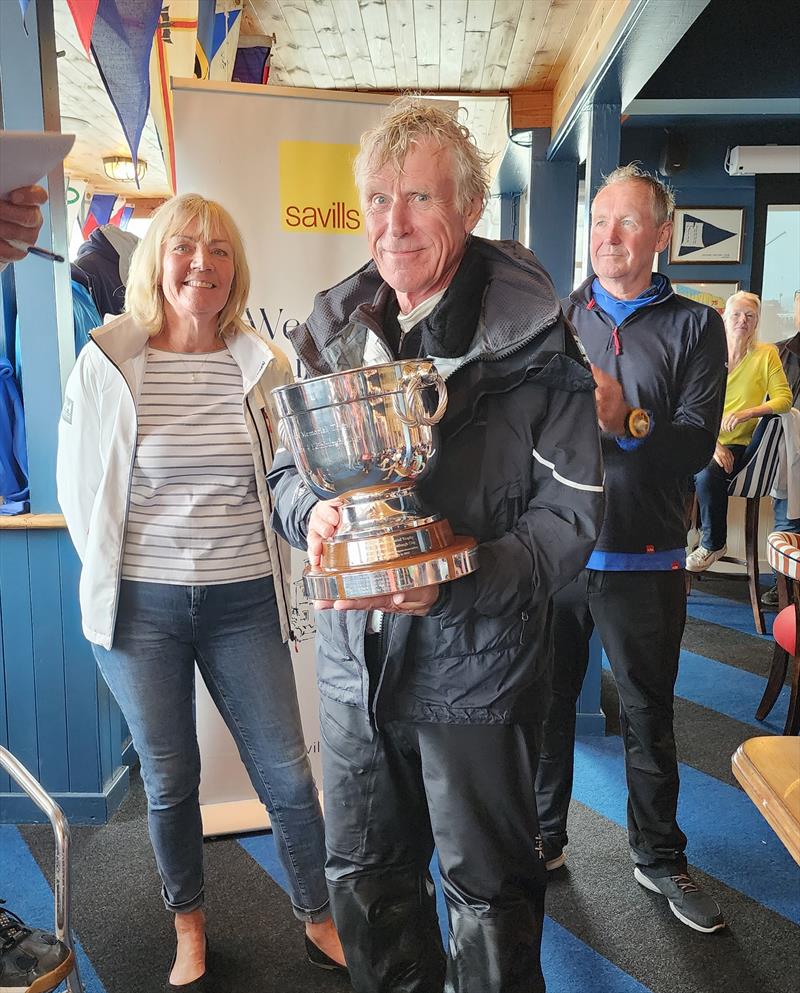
{"x":123,"y":341}
{"x":516,"y":296}
{"x":582,"y":295}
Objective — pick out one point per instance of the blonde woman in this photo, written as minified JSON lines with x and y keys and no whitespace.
{"x":164,"y":445}
{"x":754,"y":372}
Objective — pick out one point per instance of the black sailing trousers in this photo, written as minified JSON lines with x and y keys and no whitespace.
{"x":640,"y":617}
{"x":393,"y":794}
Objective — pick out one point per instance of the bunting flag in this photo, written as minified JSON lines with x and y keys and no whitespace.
{"x":76,"y":191}
{"x":206,"y":13}
{"x":122,"y":40}
{"x":217,"y":38}
{"x":252,"y":59}
{"x":101,"y":209}
{"x":173,"y":54}
{"x":84,"y":13}
{"x":23,"y":6}
{"x":118,"y":215}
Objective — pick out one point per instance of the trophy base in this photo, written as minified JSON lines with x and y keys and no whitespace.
{"x":437,"y":566}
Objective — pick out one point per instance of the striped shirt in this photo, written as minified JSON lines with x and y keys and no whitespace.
{"x":194,"y":517}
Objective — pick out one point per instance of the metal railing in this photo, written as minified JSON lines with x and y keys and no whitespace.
{"x":60,"y":825}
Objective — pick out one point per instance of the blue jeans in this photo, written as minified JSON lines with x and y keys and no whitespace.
{"x":233,"y":633}
{"x":783,"y":523}
{"x":711,"y":486}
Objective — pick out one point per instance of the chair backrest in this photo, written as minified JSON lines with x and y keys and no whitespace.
{"x":757,"y":476}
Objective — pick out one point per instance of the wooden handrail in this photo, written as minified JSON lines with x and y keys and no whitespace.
{"x":30,"y":522}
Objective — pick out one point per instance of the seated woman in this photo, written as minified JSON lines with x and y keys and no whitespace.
{"x":754,"y":372}
{"x":164,"y":445}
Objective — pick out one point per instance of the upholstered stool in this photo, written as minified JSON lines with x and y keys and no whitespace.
{"x":783,"y":552}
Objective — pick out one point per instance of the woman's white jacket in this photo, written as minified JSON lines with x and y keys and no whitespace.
{"x":97,"y":443}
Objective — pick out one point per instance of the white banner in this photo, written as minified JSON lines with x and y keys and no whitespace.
{"x":279,"y":159}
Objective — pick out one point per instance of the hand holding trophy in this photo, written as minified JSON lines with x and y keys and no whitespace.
{"x":367,"y":436}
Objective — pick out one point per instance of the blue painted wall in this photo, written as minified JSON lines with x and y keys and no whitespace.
{"x":56,"y":714}
{"x":704,"y":182}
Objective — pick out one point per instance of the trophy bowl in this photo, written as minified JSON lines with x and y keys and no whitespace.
{"x":367,"y":436}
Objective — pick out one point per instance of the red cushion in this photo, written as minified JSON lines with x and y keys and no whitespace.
{"x":784,"y":630}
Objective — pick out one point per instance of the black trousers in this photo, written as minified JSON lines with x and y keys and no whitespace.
{"x":390,"y":796}
{"x":640,"y":617}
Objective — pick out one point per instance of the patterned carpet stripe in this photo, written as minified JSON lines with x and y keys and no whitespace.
{"x":727,"y":690}
{"x":728,"y":837}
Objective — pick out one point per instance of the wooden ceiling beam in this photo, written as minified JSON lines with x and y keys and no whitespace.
{"x":144,"y":206}
{"x":587,"y":51}
{"x":531,"y":109}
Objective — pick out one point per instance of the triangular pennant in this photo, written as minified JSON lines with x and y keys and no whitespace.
{"x":697,"y":234}
{"x":100,"y":211}
{"x":84,"y":13}
{"x":122,"y":40}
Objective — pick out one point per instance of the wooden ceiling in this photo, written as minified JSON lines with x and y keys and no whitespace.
{"x":469,"y":47}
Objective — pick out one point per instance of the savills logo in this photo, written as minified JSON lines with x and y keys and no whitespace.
{"x":318,"y":193}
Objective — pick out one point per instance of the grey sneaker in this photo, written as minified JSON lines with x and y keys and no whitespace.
{"x":701,"y":558}
{"x":687,"y":901}
{"x":31,"y":961}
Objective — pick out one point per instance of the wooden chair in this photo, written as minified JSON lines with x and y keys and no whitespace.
{"x":769,"y":771}
{"x":752,"y":482}
{"x":783,"y":550}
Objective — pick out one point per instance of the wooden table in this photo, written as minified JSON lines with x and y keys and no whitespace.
{"x":769,"y":771}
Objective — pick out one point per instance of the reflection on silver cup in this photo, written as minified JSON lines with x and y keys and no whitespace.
{"x":368,"y":436}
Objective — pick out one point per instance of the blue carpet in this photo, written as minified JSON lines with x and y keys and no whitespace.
{"x":727,"y":690}
{"x":729,"y":613}
{"x":570,"y":965}
{"x":749,"y":857}
{"x":28,"y":894}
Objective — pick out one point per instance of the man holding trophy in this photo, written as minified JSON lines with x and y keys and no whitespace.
{"x":445,"y":476}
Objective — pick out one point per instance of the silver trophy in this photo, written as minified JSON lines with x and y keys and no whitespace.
{"x":368,"y":436}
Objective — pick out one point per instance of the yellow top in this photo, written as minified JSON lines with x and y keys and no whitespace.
{"x":758,"y":375}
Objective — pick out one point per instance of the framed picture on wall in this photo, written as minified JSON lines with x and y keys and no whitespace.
{"x":712,"y":294}
{"x":707,"y":234}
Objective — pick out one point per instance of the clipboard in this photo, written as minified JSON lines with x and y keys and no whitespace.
{"x":27,"y":156}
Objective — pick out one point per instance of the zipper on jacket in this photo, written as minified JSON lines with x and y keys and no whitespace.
{"x":130,"y":477}
{"x":614,"y":339}
{"x":269,"y":501}
{"x":525,"y":618}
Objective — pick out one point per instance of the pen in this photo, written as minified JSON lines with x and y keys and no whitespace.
{"x":43,"y":253}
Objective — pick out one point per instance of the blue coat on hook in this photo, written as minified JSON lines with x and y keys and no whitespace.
{"x":14,"y":494}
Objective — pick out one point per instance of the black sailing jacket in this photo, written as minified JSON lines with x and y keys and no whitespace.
{"x":519,"y":468}
{"x":671,"y":359}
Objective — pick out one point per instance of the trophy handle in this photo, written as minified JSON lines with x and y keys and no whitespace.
{"x":413,"y":385}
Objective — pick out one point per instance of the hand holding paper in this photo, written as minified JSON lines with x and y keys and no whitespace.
{"x":25,"y":157}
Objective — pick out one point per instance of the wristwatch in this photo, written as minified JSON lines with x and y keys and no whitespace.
{"x":637,"y":423}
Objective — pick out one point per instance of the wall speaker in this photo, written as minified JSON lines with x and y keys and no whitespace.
{"x":673,"y":154}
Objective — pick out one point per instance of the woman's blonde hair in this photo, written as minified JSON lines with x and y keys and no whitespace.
{"x":144,"y":298}
{"x":752,"y":298}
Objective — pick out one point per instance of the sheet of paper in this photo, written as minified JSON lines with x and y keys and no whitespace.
{"x":27,"y":156}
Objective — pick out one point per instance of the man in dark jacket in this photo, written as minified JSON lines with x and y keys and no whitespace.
{"x":431,"y":699}
{"x":660,"y":365}
{"x":102,"y":266}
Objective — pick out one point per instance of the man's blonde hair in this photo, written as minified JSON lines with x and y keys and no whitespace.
{"x":144,"y":298}
{"x":662,"y":195}
{"x":410,"y":120}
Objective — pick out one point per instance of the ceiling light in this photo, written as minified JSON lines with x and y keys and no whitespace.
{"x":121,"y":168}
